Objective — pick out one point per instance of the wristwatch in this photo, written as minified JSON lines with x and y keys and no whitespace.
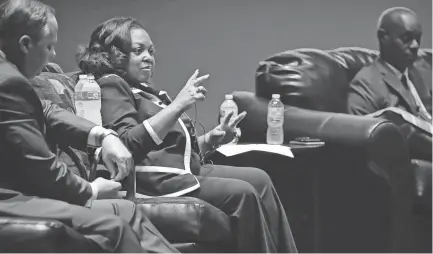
{"x":105,"y":134}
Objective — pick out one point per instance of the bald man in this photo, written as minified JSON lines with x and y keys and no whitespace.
{"x":393,"y":81}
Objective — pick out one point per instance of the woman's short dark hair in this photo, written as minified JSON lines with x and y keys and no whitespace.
{"x":109,"y":47}
{"x":22,"y":17}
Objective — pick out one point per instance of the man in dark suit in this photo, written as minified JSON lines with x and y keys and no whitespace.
{"x":398,"y":78}
{"x":33,"y":183}
{"x":393,"y":80}
{"x":390,"y":80}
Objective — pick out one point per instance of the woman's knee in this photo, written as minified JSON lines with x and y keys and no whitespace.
{"x":259,"y":178}
{"x":241,"y":188}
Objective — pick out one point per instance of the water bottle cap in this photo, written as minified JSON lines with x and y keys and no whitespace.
{"x":229,"y":97}
{"x":90,"y":76}
{"x":82,"y":76}
{"x":275,"y":96}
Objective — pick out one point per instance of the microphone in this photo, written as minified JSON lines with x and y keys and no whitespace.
{"x":146,"y":88}
{"x":162,"y":95}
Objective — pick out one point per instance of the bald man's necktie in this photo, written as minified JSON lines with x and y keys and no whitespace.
{"x":422,"y":111}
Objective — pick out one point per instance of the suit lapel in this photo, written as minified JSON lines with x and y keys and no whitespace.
{"x":395,"y":84}
{"x":422,"y":70}
{"x":422,"y":81}
{"x":418,"y":82}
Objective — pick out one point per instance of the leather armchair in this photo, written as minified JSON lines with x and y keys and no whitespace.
{"x":364,"y":190}
{"x":365,"y":177}
{"x":190,"y":224}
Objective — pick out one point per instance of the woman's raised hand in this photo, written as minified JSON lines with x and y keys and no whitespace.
{"x":192,"y":91}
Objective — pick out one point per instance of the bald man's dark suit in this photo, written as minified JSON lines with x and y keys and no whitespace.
{"x":376,"y":87}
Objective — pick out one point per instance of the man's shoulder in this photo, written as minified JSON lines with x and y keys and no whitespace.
{"x":9,"y":72}
{"x":369,"y":74}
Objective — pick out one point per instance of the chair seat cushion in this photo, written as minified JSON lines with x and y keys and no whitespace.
{"x":187,"y":219}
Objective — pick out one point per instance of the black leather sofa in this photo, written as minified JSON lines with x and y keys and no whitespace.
{"x":190,"y":224}
{"x":365,"y":191}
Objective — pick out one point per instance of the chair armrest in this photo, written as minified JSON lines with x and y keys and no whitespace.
{"x":182,"y":219}
{"x":333,"y":128}
{"x":37,"y":235}
{"x":379,"y":141}
{"x":187,"y":219}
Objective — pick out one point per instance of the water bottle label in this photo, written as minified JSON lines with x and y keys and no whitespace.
{"x":222,"y":115}
{"x":88,"y":95}
{"x":226,"y":111}
{"x":222,"y":112}
{"x":275,"y":114}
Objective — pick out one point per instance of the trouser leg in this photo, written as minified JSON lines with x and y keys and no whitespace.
{"x":150,"y":238}
{"x":109,"y":232}
{"x":239,"y":200}
{"x":275,"y":214}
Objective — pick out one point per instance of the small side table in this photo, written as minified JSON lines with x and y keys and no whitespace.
{"x":296,"y":181}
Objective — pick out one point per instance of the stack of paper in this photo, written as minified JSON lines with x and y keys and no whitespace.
{"x":231,"y":150}
{"x":391,"y":112}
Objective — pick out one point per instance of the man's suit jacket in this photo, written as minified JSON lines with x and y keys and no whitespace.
{"x":376,"y":87}
{"x":27,"y":164}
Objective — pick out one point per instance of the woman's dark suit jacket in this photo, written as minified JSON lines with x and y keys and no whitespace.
{"x":124,"y":111}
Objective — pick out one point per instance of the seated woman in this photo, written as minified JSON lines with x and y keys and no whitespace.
{"x":120,"y":55}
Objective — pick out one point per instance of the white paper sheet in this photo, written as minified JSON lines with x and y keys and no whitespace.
{"x":231,"y":150}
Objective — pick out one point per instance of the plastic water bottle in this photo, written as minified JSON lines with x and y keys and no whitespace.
{"x":228,"y":106}
{"x":91,"y":93}
{"x":79,"y":96}
{"x":275,"y":133}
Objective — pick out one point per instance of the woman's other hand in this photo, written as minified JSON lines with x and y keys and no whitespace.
{"x":225,"y":131}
